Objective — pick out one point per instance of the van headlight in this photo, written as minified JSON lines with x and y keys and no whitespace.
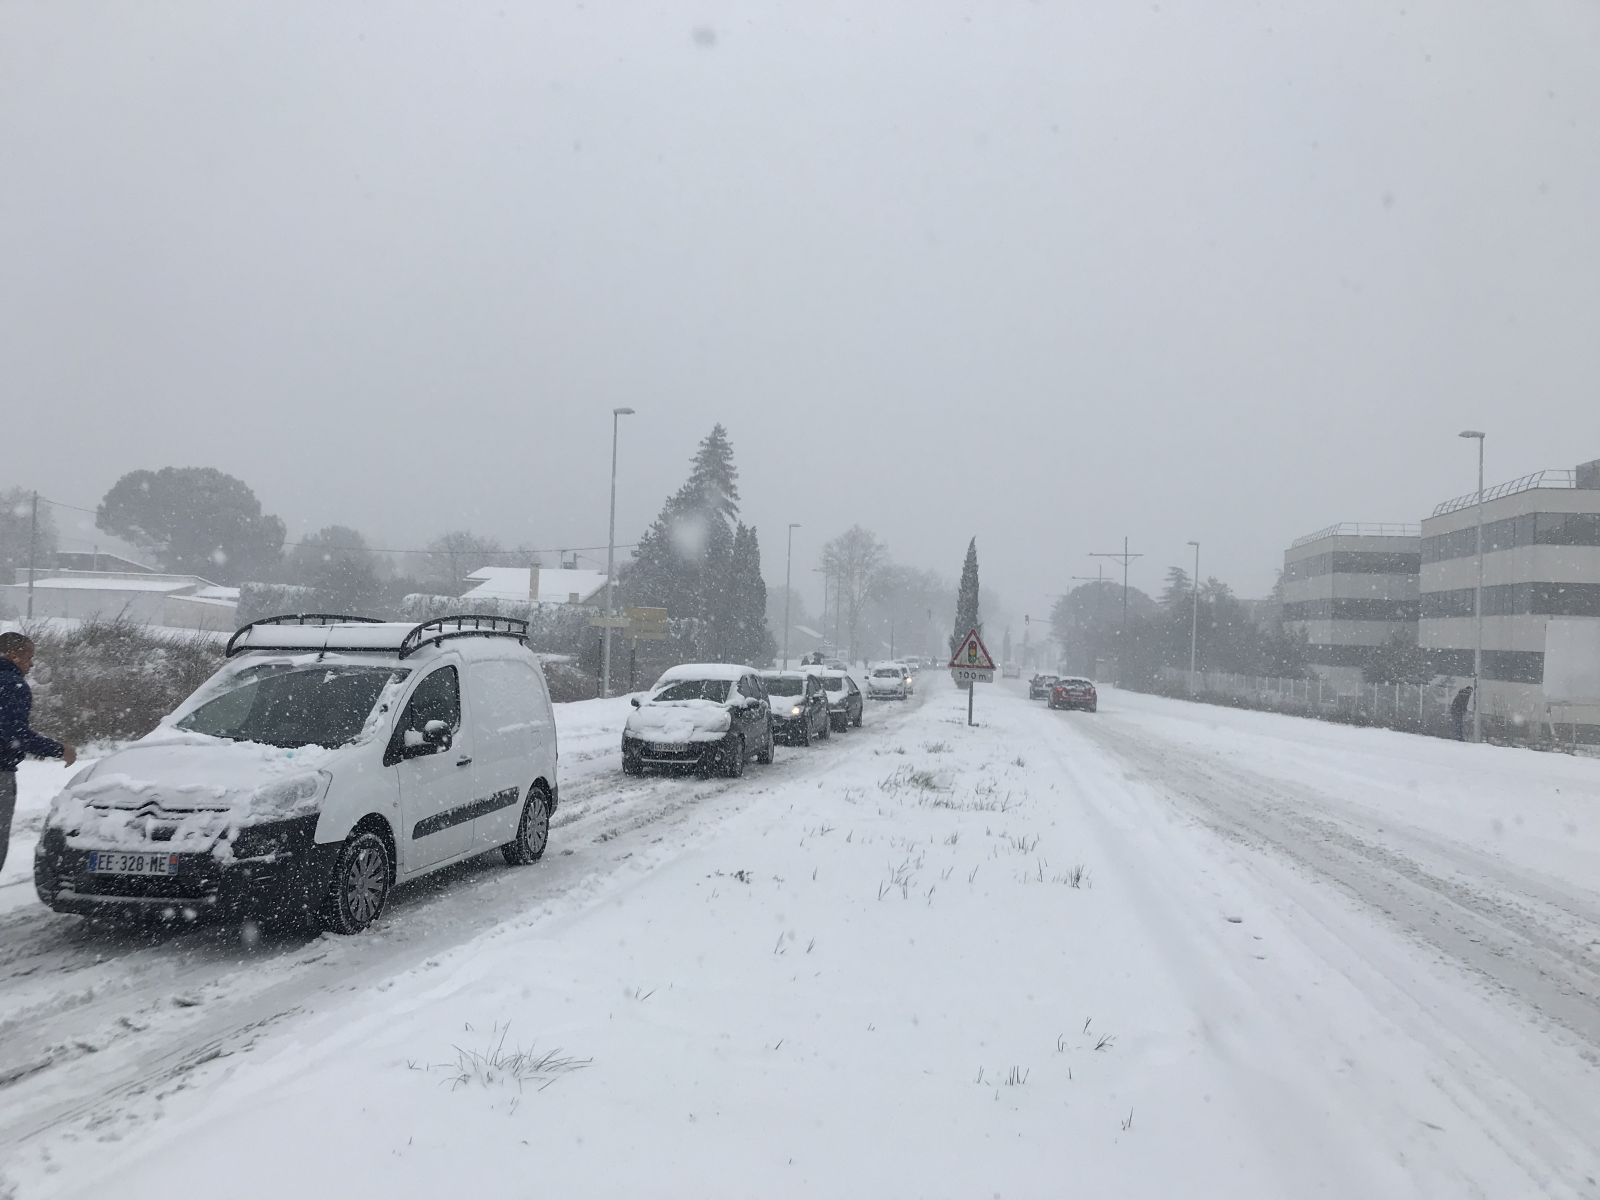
{"x":795,"y":711}
{"x":291,"y":797}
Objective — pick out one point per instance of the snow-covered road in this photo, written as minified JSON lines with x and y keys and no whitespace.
{"x":1163,"y":950}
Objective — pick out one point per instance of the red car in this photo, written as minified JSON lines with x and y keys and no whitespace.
{"x":1073,"y":692}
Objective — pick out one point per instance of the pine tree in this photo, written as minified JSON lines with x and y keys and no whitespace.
{"x":1179,"y":589}
{"x":967,"y":599}
{"x":698,"y":561}
{"x":749,"y":639}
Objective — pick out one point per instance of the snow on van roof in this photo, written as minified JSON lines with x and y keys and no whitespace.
{"x":725,"y":671}
{"x":364,"y":636}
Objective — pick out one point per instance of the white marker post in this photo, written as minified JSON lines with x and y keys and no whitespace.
{"x":972,"y":664}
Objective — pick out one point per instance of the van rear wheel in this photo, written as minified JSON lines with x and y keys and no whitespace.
{"x":533,"y":831}
{"x":360,"y":885}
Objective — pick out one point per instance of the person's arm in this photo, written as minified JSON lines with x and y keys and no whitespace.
{"x":40,"y":746}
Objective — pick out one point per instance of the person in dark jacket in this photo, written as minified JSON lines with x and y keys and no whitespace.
{"x":17,"y":739}
{"x":1458,"y":712}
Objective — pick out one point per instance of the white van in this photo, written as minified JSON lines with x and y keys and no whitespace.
{"x":328,"y":760}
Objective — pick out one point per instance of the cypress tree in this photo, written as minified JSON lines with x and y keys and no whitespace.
{"x":967,"y":599}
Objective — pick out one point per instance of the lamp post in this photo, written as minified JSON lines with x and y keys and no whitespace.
{"x":1477,"y":600}
{"x":788,"y":561}
{"x":1194,"y":616}
{"x":611,"y":556}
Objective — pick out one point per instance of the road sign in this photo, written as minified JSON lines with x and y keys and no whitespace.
{"x":608,"y":622}
{"x":972,"y":662}
{"x":647,"y":616}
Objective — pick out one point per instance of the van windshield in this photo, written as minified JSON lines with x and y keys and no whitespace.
{"x":278,"y":705}
{"x":783,"y":685}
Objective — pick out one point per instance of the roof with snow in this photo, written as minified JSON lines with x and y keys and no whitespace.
{"x":720,"y":671}
{"x":556,"y":585}
{"x":105,"y":583}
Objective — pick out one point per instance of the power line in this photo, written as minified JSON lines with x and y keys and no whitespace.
{"x":1122,"y":634}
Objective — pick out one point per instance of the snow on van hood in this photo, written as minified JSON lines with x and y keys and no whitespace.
{"x":679,"y":721}
{"x":199,"y":788}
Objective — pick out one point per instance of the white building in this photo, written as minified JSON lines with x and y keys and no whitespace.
{"x":524,"y":585}
{"x":147,"y":597}
{"x":1350,"y":588}
{"x":1541,"y":543}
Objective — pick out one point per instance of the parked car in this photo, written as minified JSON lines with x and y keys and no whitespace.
{"x":888,"y":681}
{"x":799,"y":704}
{"x":845,"y":704}
{"x":1073,"y":691}
{"x":327,"y":761}
{"x":712,"y":717}
{"x":1039,"y":686}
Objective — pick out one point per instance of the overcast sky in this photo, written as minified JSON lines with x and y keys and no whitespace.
{"x":1045,"y":273}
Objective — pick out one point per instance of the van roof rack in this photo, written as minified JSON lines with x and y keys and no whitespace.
{"x":462,"y":625}
{"x":293,"y":619}
{"x":379,"y":637}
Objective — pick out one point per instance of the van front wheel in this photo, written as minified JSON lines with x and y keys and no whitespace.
{"x":360,"y":886}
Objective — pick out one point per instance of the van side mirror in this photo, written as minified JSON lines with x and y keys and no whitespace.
{"x":430,"y":739}
{"x":634,"y":700}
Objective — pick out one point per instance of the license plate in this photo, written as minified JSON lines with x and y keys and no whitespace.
{"x":117,"y":862}
{"x":667,"y":748}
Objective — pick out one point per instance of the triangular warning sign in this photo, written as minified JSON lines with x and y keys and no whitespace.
{"x":972,"y":653}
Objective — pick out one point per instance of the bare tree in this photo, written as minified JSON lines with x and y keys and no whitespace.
{"x":451,"y":556}
{"x":853,"y":561}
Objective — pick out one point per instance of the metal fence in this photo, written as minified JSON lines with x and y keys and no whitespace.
{"x":1415,"y":708}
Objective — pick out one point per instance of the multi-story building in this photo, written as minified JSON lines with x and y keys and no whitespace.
{"x":1351,"y":588}
{"x":1541,"y":559}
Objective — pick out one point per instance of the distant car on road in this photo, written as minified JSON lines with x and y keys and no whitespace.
{"x":1010,"y":671}
{"x":889,"y":681}
{"x":845,"y":704}
{"x":1074,"y":691}
{"x":712,"y":717}
{"x":1039,"y":686}
{"x":799,"y":704}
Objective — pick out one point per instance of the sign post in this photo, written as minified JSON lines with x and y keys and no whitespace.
{"x":972,"y":664}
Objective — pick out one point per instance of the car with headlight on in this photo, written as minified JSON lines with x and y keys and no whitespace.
{"x":712,"y":718}
{"x":888,"y":681}
{"x":799,"y":704}
{"x":1075,"y":692}
{"x":328,"y":760}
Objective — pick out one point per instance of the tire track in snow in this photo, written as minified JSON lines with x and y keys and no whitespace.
{"x":140,"y":1013}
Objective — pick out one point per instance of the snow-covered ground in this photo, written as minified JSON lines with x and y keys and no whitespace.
{"x":1165,"y":950}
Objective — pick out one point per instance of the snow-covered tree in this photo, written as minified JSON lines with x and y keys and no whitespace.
{"x":700,"y":563}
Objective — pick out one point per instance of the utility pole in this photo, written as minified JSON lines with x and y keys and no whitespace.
{"x":1122,"y":634}
{"x":611,"y":553}
{"x":788,"y":561}
{"x":1194,"y":618}
{"x":33,"y":551}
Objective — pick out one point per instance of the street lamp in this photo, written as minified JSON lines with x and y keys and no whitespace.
{"x":1477,"y":599}
{"x":1194,"y":617}
{"x":788,"y":560}
{"x":611,"y":556}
